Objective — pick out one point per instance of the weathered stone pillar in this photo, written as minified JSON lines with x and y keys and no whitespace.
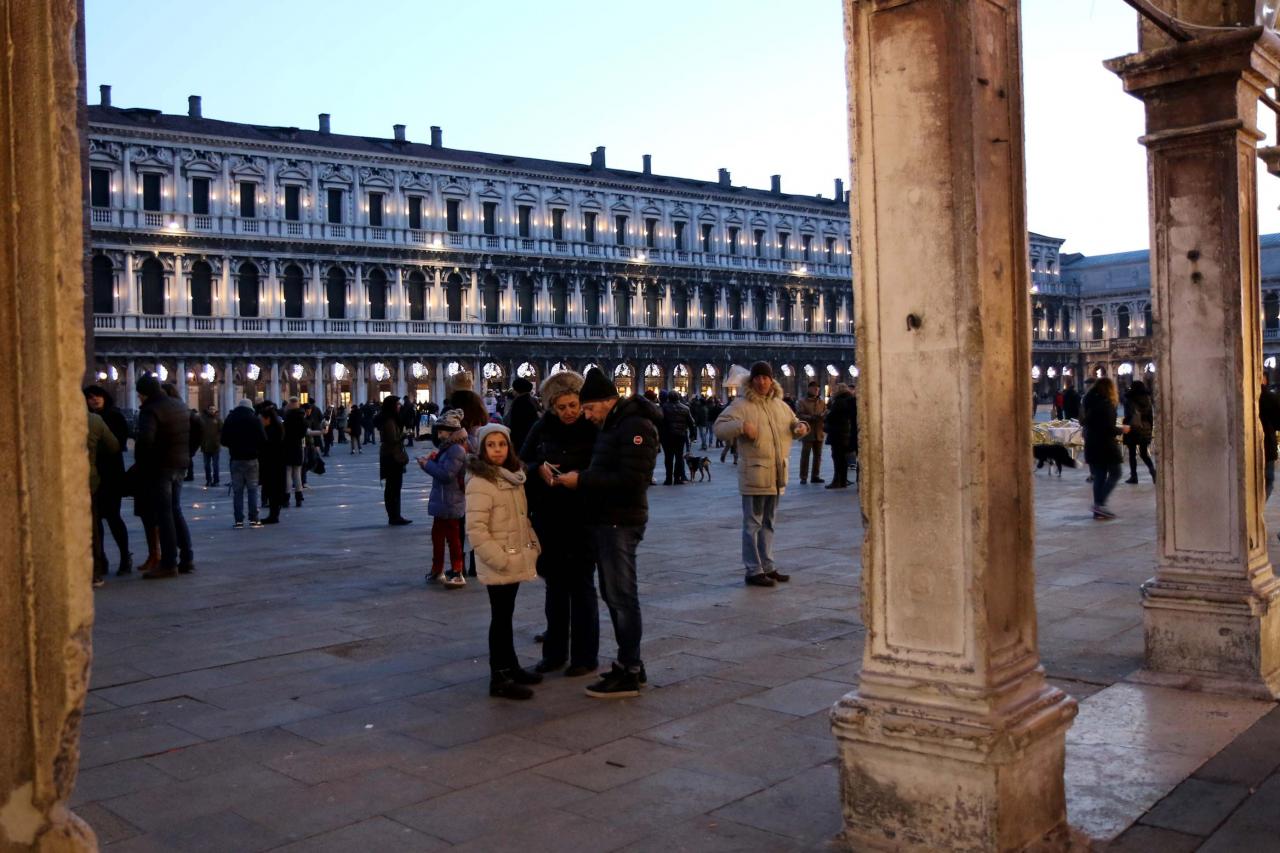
{"x":1210,"y":613}
{"x":46,"y":610}
{"x":953,"y":739}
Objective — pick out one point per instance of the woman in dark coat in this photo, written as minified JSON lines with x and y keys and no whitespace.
{"x":271,"y":463}
{"x":295,"y":439}
{"x":1101,"y":450}
{"x":392,"y":458}
{"x":111,"y":490}
{"x":559,"y":442}
{"x":841,"y":434}
{"x":1140,"y":417}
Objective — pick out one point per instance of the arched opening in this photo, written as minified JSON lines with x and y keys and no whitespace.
{"x":1066,"y":322}
{"x":784,"y":308}
{"x":376,"y":288}
{"x":526,"y":298}
{"x":201,"y":289}
{"x":591,"y":296}
{"x":419,"y":382}
{"x":808,"y":304}
{"x":829,"y":313}
{"x":1037,"y":321}
{"x":680,"y":307}
{"x":491,"y":295}
{"x":248,"y":290}
{"x":526,"y":370}
{"x":382,"y":378}
{"x":652,"y":300}
{"x":621,"y":303}
{"x":494,"y":376}
{"x":294,"y":291}
{"x":335,"y":292}
{"x":653,"y":378}
{"x":104,"y":285}
{"x":680,"y":379}
{"x":707,"y":298}
{"x":1270,"y":309}
{"x":416,"y":292}
{"x":453,"y":297}
{"x":1122,"y":321}
{"x":559,"y":301}
{"x":1096,"y":324}
{"x":707,"y":380}
{"x":340,"y":391}
{"x":1146,"y":318}
{"x":759,"y":309}
{"x":152,"y":287}
{"x":624,"y":380}
{"x":735,"y":309}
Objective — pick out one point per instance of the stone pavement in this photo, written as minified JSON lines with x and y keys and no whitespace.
{"x":304,"y":690}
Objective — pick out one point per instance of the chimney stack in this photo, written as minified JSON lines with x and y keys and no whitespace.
{"x":437,"y":137}
{"x":648,"y":164}
{"x":724,"y":177}
{"x":775,"y":183}
{"x":104,"y":95}
{"x":597,"y":158}
{"x":839,"y":189}
{"x":324,"y":122}
{"x":193,"y":106}
{"x":399,"y":131}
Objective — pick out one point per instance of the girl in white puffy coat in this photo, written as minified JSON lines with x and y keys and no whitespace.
{"x":506,"y":550}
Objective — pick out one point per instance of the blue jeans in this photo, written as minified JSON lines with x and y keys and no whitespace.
{"x":1105,"y":478}
{"x":244,"y":477}
{"x":211,"y":466}
{"x":757,"y":532}
{"x":175,"y":539}
{"x":615,"y":547}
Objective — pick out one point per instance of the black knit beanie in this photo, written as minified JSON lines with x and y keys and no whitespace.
{"x":596,"y":386}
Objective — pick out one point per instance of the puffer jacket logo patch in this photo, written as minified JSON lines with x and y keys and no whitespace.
{"x":637,"y":440}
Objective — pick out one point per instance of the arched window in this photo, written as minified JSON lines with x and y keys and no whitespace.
{"x":810,"y":301}
{"x":1066,"y":322}
{"x":294,"y":291}
{"x":829,"y":313}
{"x":201,"y":289}
{"x":680,"y":307}
{"x":453,"y":297}
{"x":1037,"y":321}
{"x":1122,"y":321}
{"x":417,"y":293}
{"x":622,"y":303}
{"x":1095,"y":324}
{"x":559,"y":301}
{"x":376,"y":285}
{"x":1050,"y":323}
{"x":591,"y":296}
{"x":247,"y":290}
{"x":784,"y":308}
{"x":491,"y":293}
{"x":735,"y":309}
{"x":652,"y":299}
{"x":1146,"y":317}
{"x":104,"y":285}
{"x":336,"y":293}
{"x":1270,"y":309}
{"x":760,"y":308}
{"x":526,"y":298}
{"x":152,"y":287}
{"x":708,"y":306}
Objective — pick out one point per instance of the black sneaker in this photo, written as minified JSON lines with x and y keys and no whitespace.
{"x":545,"y":665}
{"x":778,"y":576}
{"x":617,"y":683}
{"x":520,"y":675}
{"x":760,"y":579}
{"x":501,"y":686}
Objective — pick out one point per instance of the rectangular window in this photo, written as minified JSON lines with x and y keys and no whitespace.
{"x":293,"y":203}
{"x":451,"y":214}
{"x":526,"y":220}
{"x":415,"y":212}
{"x":807,"y":241}
{"x":491,"y":217}
{"x":831,"y":250}
{"x":620,"y":230}
{"x":200,"y":196}
{"x":707,"y":228}
{"x":335,"y":206}
{"x":733,"y":241}
{"x":557,"y":224}
{"x":100,"y":188}
{"x":248,"y":199}
{"x":589,"y":224}
{"x":150,"y":191}
{"x":759,"y":235}
{"x":679,"y":226}
{"x":783,"y":239}
{"x":375,"y":210}
{"x":651,"y":233}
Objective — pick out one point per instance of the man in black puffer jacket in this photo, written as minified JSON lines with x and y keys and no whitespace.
{"x":614,"y":485}
{"x":161,"y":451}
{"x":243,"y":436}
{"x":677,"y":422}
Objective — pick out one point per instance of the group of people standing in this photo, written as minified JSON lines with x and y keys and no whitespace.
{"x":1100,"y":430}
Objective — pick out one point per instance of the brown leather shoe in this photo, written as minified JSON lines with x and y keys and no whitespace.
{"x":778,"y":576}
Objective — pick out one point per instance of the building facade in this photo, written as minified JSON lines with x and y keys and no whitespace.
{"x":266,"y":262}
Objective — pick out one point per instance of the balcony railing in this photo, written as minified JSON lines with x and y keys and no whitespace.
{"x":288,"y":327}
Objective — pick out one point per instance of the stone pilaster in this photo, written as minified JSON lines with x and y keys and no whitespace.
{"x":46,"y":610}
{"x":1210,"y":613}
{"x":953,"y":739}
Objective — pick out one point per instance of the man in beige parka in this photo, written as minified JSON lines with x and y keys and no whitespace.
{"x":764,"y":427}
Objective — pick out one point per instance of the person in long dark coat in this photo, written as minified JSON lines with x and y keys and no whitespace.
{"x":841,"y":432}
{"x":1139,"y":415}
{"x":1101,"y":450}
{"x":392,"y":459}
{"x":295,"y":439}
{"x":271,"y":464}
{"x":522,"y":412}
{"x":559,"y":442}
{"x":1269,"y":415}
{"x":108,"y":498}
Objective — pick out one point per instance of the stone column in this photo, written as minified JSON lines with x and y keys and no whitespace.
{"x":129,"y":399}
{"x":953,"y":739}
{"x":229,"y":399}
{"x":402,"y":384}
{"x":182,"y":380}
{"x":275,"y":384}
{"x":1210,"y":614}
{"x":46,"y":612}
{"x":360,"y":384}
{"x":437,"y":383}
{"x":317,"y":384}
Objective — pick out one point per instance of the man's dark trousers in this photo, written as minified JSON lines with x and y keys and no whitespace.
{"x":616,"y":556}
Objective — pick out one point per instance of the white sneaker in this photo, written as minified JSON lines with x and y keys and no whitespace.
{"x":453,"y":579}
{"x":238,"y":525}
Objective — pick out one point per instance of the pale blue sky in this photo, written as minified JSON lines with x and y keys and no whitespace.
{"x":755,"y":86}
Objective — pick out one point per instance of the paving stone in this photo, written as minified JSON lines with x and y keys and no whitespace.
{"x":660,"y":799}
{"x":717,"y":728}
{"x":1249,"y":759}
{"x":223,"y":723}
{"x":160,"y":809}
{"x":707,"y":834}
{"x":1148,"y":839}
{"x":1254,"y":826}
{"x":217,"y":833}
{"x":225,"y":754}
{"x":116,"y":780}
{"x":592,"y":726}
{"x":136,"y":743}
{"x":770,"y":758}
{"x":107,"y":825}
{"x":508,"y":804}
{"x":327,"y":762}
{"x":552,"y":831}
{"x":801,"y":697}
{"x":1196,"y":807}
{"x":805,"y":807}
{"x":374,"y":834}
{"x":613,"y":764}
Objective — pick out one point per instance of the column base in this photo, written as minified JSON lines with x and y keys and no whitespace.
{"x":917,"y":778}
{"x":1212,"y":637}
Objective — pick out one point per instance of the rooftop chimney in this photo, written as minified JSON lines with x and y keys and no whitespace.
{"x":324,"y":122}
{"x":399,"y":130}
{"x":437,"y":137}
{"x":839,"y":189}
{"x":597,"y":158}
{"x":648,"y":164}
{"x":104,"y":92}
{"x":724,"y":177}
{"x":193,"y":106}
{"x":775,"y":183}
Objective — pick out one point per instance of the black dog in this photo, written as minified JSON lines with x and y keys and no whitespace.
{"x":698,"y":465}
{"x":1054,"y":454}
